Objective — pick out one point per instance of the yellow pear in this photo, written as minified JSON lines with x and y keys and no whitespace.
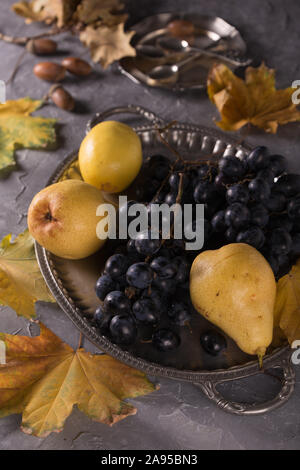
{"x":234,"y":288}
{"x":62,"y":218}
{"x":110,"y":156}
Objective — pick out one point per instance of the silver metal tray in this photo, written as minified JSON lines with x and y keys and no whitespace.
{"x":212,"y":28}
{"x":72,"y":284}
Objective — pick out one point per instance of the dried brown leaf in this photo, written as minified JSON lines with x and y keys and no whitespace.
{"x":254,"y":100}
{"x":108,"y":11}
{"x":287,"y":305}
{"x":44,"y":378}
{"x":108,"y":44}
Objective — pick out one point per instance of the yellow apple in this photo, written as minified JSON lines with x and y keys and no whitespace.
{"x":110,"y":156}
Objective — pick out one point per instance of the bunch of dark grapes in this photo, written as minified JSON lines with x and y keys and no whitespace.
{"x":141,"y":295}
{"x":145,"y":286}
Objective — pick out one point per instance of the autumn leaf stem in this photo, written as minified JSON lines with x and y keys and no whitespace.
{"x":23,"y":40}
{"x":80,"y":341}
{"x":17,"y":65}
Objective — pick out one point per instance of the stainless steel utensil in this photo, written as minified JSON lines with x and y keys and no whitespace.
{"x":72,"y":284}
{"x":212,"y":32}
{"x":163,"y":74}
{"x":170,"y":44}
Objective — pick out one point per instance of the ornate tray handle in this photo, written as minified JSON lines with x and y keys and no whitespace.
{"x":209,"y":388}
{"x":130,"y":109}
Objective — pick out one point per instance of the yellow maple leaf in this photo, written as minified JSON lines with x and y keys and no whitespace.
{"x":254,"y":100}
{"x":44,"y":378}
{"x":20,"y":130}
{"x":21,"y":281}
{"x":108,"y":44}
{"x":287,"y":305}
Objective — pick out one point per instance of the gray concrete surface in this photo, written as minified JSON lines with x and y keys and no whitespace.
{"x":178,"y":416}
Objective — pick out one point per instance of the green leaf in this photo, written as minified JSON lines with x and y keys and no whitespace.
{"x":20,"y":130}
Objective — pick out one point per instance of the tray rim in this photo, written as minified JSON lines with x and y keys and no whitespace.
{"x":76,"y":315}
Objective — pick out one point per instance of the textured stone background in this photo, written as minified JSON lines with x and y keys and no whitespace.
{"x":178,"y":416}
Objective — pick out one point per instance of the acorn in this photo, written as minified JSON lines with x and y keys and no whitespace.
{"x":62,"y":98}
{"x":41,"y":46}
{"x":49,"y":71}
{"x":77,"y":66}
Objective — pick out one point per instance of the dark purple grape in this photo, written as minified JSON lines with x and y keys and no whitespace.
{"x":221,"y":181}
{"x":104,"y":285}
{"x":212,"y":207}
{"x":289,"y":185}
{"x":253,"y":236}
{"x":296,"y":225}
{"x":273,"y":262}
{"x":194,"y":228}
{"x":117,"y":302}
{"x":283,"y":261}
{"x":259,"y":190}
{"x":179,"y":313}
{"x":144,"y":311}
{"x":205,"y":192}
{"x":116,"y":265}
{"x":123,"y":212}
{"x":133,"y":255}
{"x":146,"y":244}
{"x":165,"y":340}
{"x":183,"y":269}
{"x":147,"y":190}
{"x":102,"y":319}
{"x":280,"y":221}
{"x":139,"y":275}
{"x":267,"y":175}
{"x":218,"y":222}
{"x":158,"y":166}
{"x":293,"y":208}
{"x":259,"y":215}
{"x":165,"y":286}
{"x":237,"y":193}
{"x":295,"y":250}
{"x":163,"y":267}
{"x":278,"y":164}
{"x":213,"y":342}
{"x":276,"y":202}
{"x":160,"y":197}
{"x":280,"y":242}
{"x":122,"y":329}
{"x":175,"y":179}
{"x":237,"y":215}
{"x":203,"y":171}
{"x":232,"y":167}
{"x":170,"y":199}
{"x":156,"y":297}
{"x":258,"y":159}
{"x":231,"y":234}
{"x":177,"y":247}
